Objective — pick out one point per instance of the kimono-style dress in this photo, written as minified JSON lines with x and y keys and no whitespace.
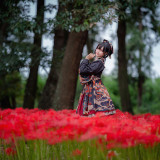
{"x":94,"y":96}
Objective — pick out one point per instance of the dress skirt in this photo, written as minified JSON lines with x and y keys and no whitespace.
{"x":95,"y":98}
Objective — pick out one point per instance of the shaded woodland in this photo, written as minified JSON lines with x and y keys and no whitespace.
{"x":75,"y":27}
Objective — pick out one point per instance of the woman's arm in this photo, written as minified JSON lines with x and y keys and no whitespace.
{"x":91,"y":68}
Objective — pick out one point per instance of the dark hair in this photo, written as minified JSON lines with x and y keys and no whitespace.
{"x":107,"y":47}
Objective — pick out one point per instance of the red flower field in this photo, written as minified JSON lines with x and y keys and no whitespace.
{"x":121,"y":129}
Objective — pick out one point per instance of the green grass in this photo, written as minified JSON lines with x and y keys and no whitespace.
{"x":73,"y":150}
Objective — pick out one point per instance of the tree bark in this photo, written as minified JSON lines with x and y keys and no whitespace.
{"x":4,"y":100}
{"x":140,"y":73}
{"x":47,"y":97}
{"x":89,"y":45}
{"x":60,"y":40}
{"x":66,"y":87}
{"x":31,"y":86}
{"x":122,"y":68}
{"x":13,"y":100}
{"x":4,"y":25}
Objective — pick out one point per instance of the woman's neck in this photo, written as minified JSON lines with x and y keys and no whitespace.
{"x":98,"y":58}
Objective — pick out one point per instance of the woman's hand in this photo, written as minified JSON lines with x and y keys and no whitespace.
{"x":90,"y":56}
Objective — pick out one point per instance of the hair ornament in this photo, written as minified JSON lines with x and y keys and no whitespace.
{"x":105,"y":41}
{"x":110,"y":51}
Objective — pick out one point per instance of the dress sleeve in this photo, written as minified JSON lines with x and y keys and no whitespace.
{"x":91,"y":68}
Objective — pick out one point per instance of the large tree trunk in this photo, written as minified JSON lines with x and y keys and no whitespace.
{"x":122,"y":68}
{"x":47,"y":97}
{"x":66,"y":87}
{"x":31,"y":86}
{"x":60,"y":40}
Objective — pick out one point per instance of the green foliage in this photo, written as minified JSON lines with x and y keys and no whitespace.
{"x":40,"y":85}
{"x":15,"y":36}
{"x":14,"y":85}
{"x":133,"y":94}
{"x":82,"y":15}
{"x":142,"y":20}
{"x":151,"y":97}
{"x":111,"y":84}
{"x":10,"y":85}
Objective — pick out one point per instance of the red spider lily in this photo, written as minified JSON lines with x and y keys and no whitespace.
{"x":76,"y":152}
{"x":121,"y":129}
{"x":10,"y":151}
{"x":111,"y":154}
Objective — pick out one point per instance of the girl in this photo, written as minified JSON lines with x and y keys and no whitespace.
{"x":94,"y":96}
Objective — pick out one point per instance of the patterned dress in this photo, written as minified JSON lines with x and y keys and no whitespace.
{"x":94,"y":96}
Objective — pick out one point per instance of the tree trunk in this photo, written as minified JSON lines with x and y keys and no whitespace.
{"x":3,"y":24}
{"x":60,"y":40}
{"x":66,"y":87}
{"x":47,"y":97}
{"x":89,"y":45}
{"x":140,"y":73}
{"x":140,"y":89}
{"x":13,"y":100}
{"x":31,"y":86}
{"x":122,"y":68}
{"x":4,"y":100}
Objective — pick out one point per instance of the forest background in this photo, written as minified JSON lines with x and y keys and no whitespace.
{"x":41,"y":48}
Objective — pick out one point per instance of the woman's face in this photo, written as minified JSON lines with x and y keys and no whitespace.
{"x":99,"y":52}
